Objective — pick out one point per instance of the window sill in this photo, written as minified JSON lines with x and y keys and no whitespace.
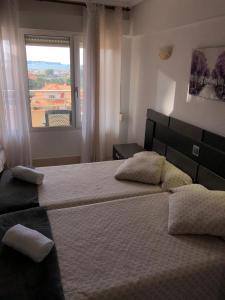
{"x":50,"y":129}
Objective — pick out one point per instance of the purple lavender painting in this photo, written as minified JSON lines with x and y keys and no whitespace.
{"x":207,"y":78}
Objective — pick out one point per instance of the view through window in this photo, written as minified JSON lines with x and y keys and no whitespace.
{"x":49,"y":76}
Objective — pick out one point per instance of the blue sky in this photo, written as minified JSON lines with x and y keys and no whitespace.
{"x":50,"y":54}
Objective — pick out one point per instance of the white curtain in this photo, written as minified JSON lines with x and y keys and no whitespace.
{"x":14,"y":129}
{"x":102,"y":87}
{"x":90,"y":83}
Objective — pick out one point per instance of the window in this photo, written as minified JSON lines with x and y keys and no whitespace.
{"x":50,"y":77}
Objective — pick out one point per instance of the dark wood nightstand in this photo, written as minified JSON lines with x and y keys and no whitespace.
{"x":124,"y":151}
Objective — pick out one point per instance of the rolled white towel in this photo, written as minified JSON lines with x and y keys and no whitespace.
{"x":28,"y":241}
{"x":28,"y":174}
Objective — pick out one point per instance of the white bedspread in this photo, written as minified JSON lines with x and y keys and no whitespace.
{"x":122,"y":250}
{"x":74,"y":185}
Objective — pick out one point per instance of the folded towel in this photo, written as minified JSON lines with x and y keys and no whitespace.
{"x":28,"y":174}
{"x":28,"y":241}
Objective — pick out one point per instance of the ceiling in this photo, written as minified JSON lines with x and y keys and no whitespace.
{"x":122,"y":3}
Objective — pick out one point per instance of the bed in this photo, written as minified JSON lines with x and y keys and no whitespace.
{"x":195,"y":151}
{"x":74,"y":185}
{"x":186,"y":146}
{"x":114,"y":250}
{"x":122,"y":250}
{"x":80,"y":184}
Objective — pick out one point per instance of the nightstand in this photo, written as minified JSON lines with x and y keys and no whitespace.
{"x":123,"y":151}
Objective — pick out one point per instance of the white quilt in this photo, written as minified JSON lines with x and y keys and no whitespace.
{"x":74,"y":185}
{"x":121,"y":250}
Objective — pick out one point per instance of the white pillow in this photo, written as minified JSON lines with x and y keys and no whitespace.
{"x":173,"y":177}
{"x":141,"y":169}
{"x":198,"y":212}
{"x":189,"y":188}
{"x":145,"y":154}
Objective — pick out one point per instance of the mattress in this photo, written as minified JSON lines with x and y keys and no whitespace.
{"x":73,"y":185}
{"x":121,"y":250}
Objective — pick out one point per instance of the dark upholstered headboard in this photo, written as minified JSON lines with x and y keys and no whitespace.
{"x":199,"y":153}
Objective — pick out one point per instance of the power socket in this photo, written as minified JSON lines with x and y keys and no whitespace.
{"x":196,"y":150}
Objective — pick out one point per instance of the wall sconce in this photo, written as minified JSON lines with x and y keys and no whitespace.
{"x":165,"y":52}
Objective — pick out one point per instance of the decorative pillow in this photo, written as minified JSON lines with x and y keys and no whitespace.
{"x":145,"y":154}
{"x":189,"y":188}
{"x":173,"y":177}
{"x":141,"y":169}
{"x":198,"y":212}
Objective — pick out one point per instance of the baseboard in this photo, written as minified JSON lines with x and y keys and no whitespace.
{"x":56,"y":161}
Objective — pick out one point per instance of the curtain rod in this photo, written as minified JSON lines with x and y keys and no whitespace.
{"x":81,"y":4}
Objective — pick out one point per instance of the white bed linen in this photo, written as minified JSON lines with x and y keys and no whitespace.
{"x":74,"y":185}
{"x":122,"y":250}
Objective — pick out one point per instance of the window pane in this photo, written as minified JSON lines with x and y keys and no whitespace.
{"x":49,"y":85}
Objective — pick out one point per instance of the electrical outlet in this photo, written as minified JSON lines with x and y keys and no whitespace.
{"x":195,"y":150}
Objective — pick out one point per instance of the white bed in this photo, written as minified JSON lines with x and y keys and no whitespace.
{"x":74,"y":185}
{"x":122,"y":250}
{"x":111,"y":251}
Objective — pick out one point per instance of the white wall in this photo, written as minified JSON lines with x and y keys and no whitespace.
{"x":163,"y":85}
{"x":55,"y":143}
{"x":51,"y":16}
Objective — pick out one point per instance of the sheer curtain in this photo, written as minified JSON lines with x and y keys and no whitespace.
{"x":14,"y":129}
{"x":90,"y":85}
{"x":102,"y":89}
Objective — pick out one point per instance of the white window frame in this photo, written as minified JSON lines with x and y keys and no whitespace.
{"x":76,"y":39}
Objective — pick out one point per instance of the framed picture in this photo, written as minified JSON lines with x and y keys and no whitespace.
{"x":207,"y":79}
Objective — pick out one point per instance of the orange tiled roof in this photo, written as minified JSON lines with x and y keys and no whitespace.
{"x":56,"y":86}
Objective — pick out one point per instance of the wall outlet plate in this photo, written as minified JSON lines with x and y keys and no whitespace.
{"x":195,"y":150}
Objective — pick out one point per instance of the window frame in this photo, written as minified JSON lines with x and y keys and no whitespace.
{"x":75,"y":39}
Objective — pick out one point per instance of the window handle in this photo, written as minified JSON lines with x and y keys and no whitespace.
{"x":77,"y":91}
